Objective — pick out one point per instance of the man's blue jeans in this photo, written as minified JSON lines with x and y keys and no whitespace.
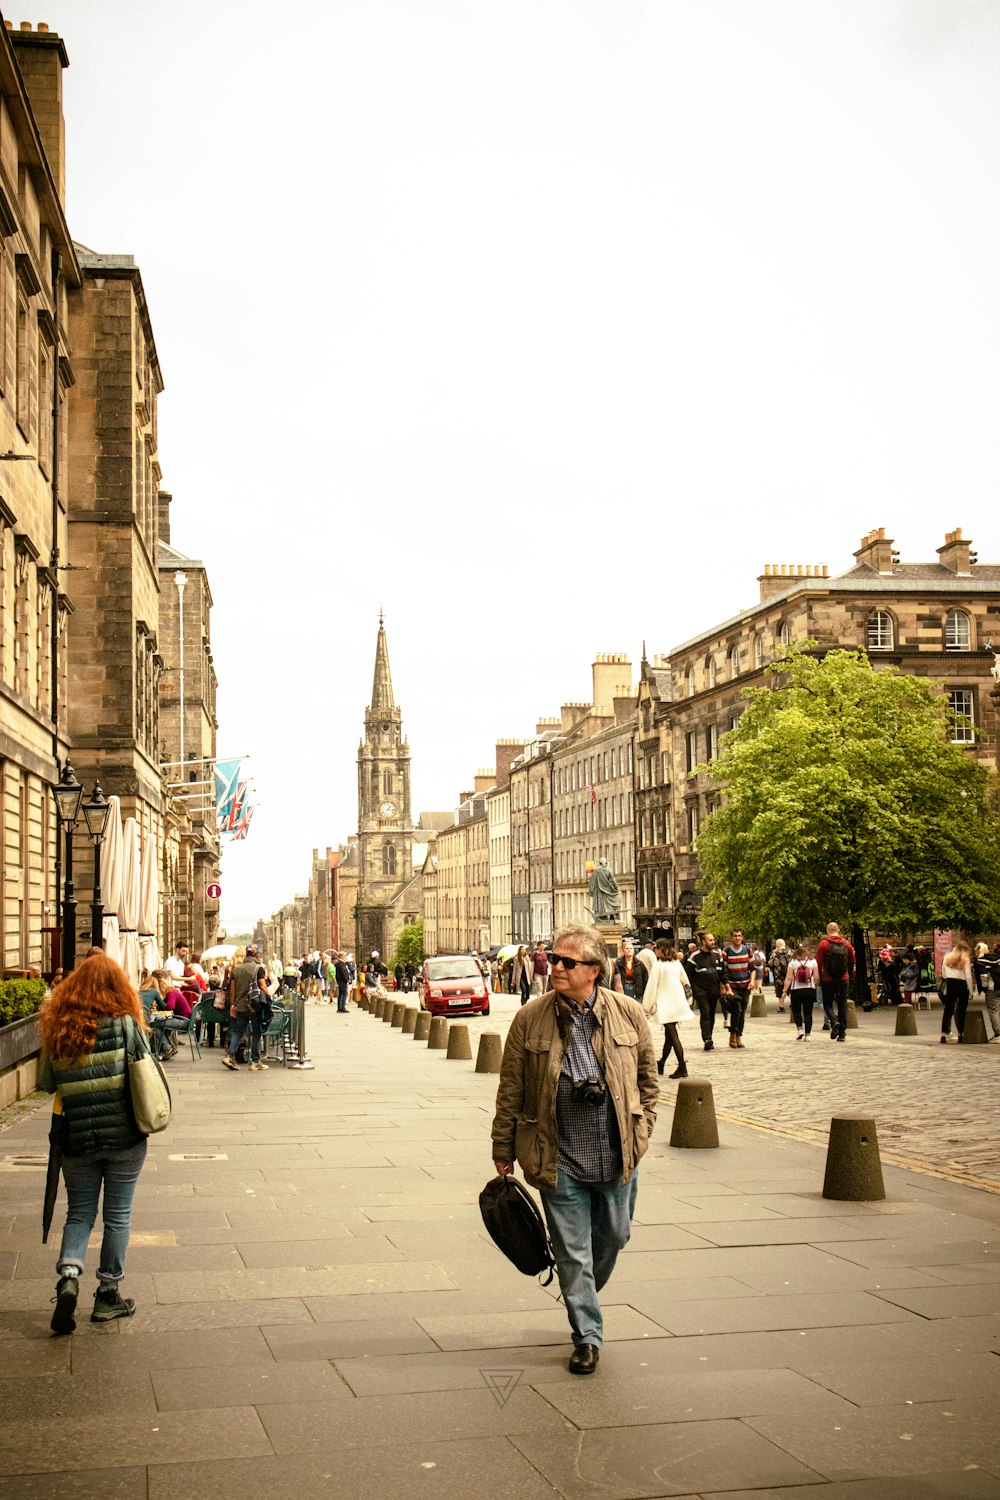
{"x":237,"y":1030}
{"x":342,"y":997}
{"x":84,"y":1175}
{"x":589,"y":1223}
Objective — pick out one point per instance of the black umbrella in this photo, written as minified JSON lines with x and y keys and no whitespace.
{"x":52,"y":1174}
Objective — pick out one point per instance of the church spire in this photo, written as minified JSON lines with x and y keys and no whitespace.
{"x":382,"y":699}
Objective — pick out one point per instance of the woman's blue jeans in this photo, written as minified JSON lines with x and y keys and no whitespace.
{"x":240,"y":1024}
{"x":84,"y":1176}
{"x":589,"y":1223}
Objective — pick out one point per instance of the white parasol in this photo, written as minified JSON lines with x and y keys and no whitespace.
{"x":112,"y":851}
{"x":149,"y":904}
{"x":221,"y":950}
{"x":128,"y":905}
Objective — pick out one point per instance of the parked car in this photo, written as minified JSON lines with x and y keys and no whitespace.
{"x":452,"y":985}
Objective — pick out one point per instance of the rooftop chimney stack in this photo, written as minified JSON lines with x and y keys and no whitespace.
{"x":41,"y":57}
{"x":956,"y":554}
{"x":612,"y":678}
{"x":876,"y":552}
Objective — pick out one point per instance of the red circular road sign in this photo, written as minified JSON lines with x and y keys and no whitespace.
{"x":213,"y":892}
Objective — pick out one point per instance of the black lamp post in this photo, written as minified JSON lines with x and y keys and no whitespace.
{"x":68,"y":795}
{"x":96,"y":810}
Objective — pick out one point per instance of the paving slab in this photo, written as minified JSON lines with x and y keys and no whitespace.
{"x":689,"y":1398}
{"x":83,"y":1484}
{"x":36,"y":1445}
{"x":336,"y":1340}
{"x":247,"y":1385}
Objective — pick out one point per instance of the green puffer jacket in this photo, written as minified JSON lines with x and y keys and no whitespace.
{"x":96,"y":1103}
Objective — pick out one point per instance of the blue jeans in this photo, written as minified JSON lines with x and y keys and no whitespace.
{"x":237,"y":1031}
{"x":83,"y":1175}
{"x":835,"y":1002}
{"x":589,"y":1223}
{"x":342,"y":997}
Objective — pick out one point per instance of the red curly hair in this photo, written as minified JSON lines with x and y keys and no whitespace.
{"x":96,"y":989}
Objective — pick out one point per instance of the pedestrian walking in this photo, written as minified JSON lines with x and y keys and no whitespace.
{"x":958,"y":983}
{"x":835,"y":959}
{"x":644,"y":960}
{"x":705,"y":969}
{"x":539,"y":970}
{"x":82,"y":1026}
{"x":667,"y":1000}
{"x":780,"y":957}
{"x":623,"y":971}
{"x":986,"y":967}
{"x":576,"y":1105}
{"x":248,"y":992}
{"x":343,"y":978}
{"x":520,"y":975}
{"x":801,"y":979}
{"x":739,"y":970}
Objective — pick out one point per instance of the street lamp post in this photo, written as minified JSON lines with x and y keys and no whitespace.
{"x":68,"y":795}
{"x":96,"y":810}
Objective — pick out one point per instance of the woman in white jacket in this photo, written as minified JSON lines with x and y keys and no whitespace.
{"x":666,"y":999}
{"x":959,"y":984}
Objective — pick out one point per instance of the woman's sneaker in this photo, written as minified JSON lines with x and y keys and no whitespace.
{"x":109,"y":1304}
{"x":64,"y":1317}
{"x":227,"y":1062}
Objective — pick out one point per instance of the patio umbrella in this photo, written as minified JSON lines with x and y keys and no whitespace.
{"x":111,"y":878}
{"x":149,"y":904}
{"x":220,"y":950}
{"x":128,"y":904}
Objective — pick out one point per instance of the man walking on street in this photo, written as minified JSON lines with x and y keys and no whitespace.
{"x":576,"y":1105}
{"x":248,"y":992}
{"x":706,"y":969}
{"x":835,"y":958}
{"x":739,"y":971}
{"x":539,"y":970}
{"x":343,"y":977}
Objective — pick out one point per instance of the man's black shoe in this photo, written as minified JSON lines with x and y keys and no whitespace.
{"x":834,"y":1033}
{"x":583,"y":1360}
{"x":709,"y":1045}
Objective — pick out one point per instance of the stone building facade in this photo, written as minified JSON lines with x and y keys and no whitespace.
{"x":654,"y":894}
{"x":931,"y":619}
{"x":429,"y":873}
{"x":188,"y":729}
{"x":38,"y":270}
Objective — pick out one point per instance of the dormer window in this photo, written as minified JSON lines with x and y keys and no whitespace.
{"x":880,"y":633}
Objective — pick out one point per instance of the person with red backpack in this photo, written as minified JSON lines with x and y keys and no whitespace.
{"x":835,"y":958}
{"x":801,"y":979}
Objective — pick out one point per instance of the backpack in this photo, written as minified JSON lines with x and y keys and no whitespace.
{"x":803,"y":975}
{"x":255,"y":1000}
{"x":836,"y":959}
{"x":516,"y":1226}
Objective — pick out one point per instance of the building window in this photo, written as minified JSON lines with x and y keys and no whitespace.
{"x":692,"y":822}
{"x":690,"y":682}
{"x":734,"y":662}
{"x":691,"y":749}
{"x":758,"y":651}
{"x":387,"y":783}
{"x":879,"y":632}
{"x":960,"y":701}
{"x":957,"y":631}
{"x":784,"y":635}
{"x":712,"y":741}
{"x":389,"y":859}
{"x":711,"y":672}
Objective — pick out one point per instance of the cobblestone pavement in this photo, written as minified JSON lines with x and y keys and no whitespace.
{"x":320,"y":1312}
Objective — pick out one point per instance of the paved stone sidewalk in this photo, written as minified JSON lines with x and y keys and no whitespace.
{"x":321,"y":1313}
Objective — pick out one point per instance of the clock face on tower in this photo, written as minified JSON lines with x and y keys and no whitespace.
{"x":388,"y":809}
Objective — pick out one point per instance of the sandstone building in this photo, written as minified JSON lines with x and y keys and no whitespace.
{"x":385,"y":826}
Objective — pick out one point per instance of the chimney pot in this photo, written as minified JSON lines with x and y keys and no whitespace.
{"x":25,"y":25}
{"x":43,"y":25}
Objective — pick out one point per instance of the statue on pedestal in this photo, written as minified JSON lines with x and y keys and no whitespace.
{"x":605,"y":897}
{"x":995,"y":669}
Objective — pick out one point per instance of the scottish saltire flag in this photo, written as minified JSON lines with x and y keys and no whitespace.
{"x":226,"y":779}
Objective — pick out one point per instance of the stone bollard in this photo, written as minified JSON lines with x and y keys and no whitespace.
{"x":377,"y":1010}
{"x":906,"y":1020}
{"x":694,"y":1115}
{"x":459,"y":1046}
{"x":758,"y":1005}
{"x":975,"y":1028}
{"x":490,"y":1053}
{"x":388,"y":1006}
{"x":852,"y":1016}
{"x":363,"y":1002}
{"x":409,"y":1019}
{"x":853,"y":1165}
{"x":422,"y":1026}
{"x":438,"y":1037}
{"x":398,"y":1012}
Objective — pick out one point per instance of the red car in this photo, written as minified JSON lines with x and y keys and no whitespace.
{"x":451,"y":986}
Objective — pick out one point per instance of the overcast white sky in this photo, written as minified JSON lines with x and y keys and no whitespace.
{"x":544,"y":323}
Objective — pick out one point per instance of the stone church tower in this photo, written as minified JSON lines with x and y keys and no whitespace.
{"x":385,"y":826}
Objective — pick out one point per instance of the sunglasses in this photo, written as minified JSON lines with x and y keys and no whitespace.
{"x":570,"y":963}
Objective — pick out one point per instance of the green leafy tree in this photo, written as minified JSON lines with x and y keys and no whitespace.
{"x":410,"y":944}
{"x":846,"y":801}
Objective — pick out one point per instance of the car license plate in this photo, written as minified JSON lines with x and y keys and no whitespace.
{"x":457,"y":1000}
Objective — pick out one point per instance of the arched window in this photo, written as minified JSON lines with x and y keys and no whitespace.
{"x":387,"y":783}
{"x":784,"y":635}
{"x":690,"y":682}
{"x":879,"y":632}
{"x":957,"y":631}
{"x":389,"y":859}
{"x":734,"y":661}
{"x":758,"y":651}
{"x":711,"y":672}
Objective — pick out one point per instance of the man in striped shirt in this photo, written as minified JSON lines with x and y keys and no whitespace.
{"x":738,"y":957}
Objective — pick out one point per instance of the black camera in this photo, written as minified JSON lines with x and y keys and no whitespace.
{"x":588,"y":1091}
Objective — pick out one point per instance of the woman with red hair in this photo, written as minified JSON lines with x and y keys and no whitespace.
{"x":83,"y":1031}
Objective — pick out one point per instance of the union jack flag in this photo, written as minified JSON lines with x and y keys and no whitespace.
{"x":590,"y":789}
